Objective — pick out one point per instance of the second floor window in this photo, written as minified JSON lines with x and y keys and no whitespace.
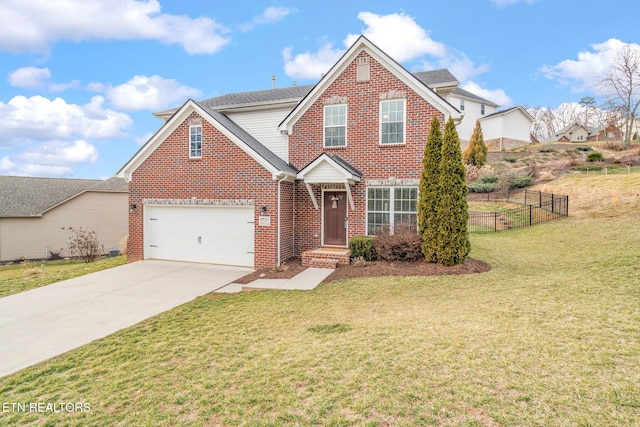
{"x":482,"y":109}
{"x":335,"y":125}
{"x":462,"y":105}
{"x":195,"y":141}
{"x":392,"y":122}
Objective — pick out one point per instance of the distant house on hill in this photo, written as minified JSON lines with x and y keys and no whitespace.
{"x":579,"y":133}
{"x":34,"y":210}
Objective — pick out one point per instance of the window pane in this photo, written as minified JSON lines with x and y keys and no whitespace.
{"x":377,"y":223}
{"x":335,"y":129}
{"x":392,"y":122}
{"x":195,"y":141}
{"x":378,"y":199}
{"x":405,"y":199}
{"x":403,"y":221}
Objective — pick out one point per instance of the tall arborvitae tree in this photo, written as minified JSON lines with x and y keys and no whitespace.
{"x":476,"y":152}
{"x":428,"y":191}
{"x":452,"y":241}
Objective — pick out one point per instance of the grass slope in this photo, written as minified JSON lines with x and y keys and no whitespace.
{"x":550,"y":336}
{"x":22,"y":277}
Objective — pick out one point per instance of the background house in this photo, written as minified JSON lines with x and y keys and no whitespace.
{"x":576,"y":132}
{"x":34,"y":210}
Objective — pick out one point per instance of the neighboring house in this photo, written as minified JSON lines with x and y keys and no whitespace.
{"x":255,"y":178}
{"x":34,"y":210}
{"x":578,"y":133}
{"x":507,"y":129}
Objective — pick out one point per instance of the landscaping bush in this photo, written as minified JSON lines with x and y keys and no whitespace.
{"x":547,"y":150}
{"x":489,"y":179}
{"x":481,"y":187}
{"x":362,"y":247}
{"x":595,"y":157}
{"x":583,"y":148}
{"x":55,"y":255}
{"x":404,"y":245}
{"x":83,"y":243}
{"x":511,"y":159}
{"x":519,"y":181}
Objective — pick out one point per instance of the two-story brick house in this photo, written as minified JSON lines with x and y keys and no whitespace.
{"x":254,"y":179}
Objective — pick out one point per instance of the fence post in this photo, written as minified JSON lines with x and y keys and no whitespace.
{"x":530,"y":215}
{"x":495,"y":222}
{"x":553,"y":204}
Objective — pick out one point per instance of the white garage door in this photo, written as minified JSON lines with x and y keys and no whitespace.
{"x":209,"y":234}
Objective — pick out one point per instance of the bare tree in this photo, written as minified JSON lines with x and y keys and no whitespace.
{"x":588,"y":103}
{"x":622,"y":84}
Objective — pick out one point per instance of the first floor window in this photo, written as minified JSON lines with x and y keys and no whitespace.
{"x":195,"y":141}
{"x":391,"y":208}
{"x":392,"y":122}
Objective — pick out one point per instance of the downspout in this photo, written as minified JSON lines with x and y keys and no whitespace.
{"x":278,"y":228}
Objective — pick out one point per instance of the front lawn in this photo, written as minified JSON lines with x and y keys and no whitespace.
{"x":549,"y":337}
{"x":22,"y":277}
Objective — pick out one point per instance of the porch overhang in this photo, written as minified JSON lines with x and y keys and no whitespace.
{"x":329,"y":170}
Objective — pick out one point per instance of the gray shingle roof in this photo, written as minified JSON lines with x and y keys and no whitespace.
{"x":436,"y":77}
{"x":29,"y":196}
{"x":296,"y":93}
{"x":293,"y":93}
{"x":253,"y":143}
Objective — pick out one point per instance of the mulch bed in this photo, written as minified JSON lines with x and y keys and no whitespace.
{"x":372,"y":269}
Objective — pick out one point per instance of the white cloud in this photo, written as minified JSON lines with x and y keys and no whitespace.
{"x":271,"y":15}
{"x":51,"y":158}
{"x":404,"y":40}
{"x":56,"y":153}
{"x":585,"y":72}
{"x":497,"y":95}
{"x":35,"y":25}
{"x":38,"y":119}
{"x":35,"y":78}
{"x":149,"y":93}
{"x":398,"y":35}
{"x":310,"y":65}
{"x":29,"y":77}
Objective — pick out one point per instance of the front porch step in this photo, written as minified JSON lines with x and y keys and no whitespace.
{"x":325,"y":257}
{"x":321,"y":263}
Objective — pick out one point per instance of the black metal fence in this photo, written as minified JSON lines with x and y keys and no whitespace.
{"x":538,"y":207}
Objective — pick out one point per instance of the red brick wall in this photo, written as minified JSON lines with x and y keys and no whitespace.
{"x":225,"y":172}
{"x":363,"y":148}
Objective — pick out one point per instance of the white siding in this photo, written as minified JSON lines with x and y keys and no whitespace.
{"x":263,"y":126}
{"x":471,"y":114}
{"x":324,"y":173}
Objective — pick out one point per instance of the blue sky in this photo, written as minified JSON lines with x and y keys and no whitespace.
{"x":79,"y":79}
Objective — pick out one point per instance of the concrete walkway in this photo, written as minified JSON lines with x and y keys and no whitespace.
{"x":304,"y":281}
{"x":44,"y":322}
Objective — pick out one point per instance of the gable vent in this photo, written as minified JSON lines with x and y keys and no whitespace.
{"x":363,"y":69}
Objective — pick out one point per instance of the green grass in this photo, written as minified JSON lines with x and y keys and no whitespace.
{"x":549,"y":337}
{"x":22,"y":277}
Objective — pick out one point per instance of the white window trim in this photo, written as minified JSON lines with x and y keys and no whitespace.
{"x":324,"y":125}
{"x":190,"y":155}
{"x":404,"y":123}
{"x":392,"y":210}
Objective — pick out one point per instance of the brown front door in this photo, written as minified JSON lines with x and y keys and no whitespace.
{"x":335,"y":218}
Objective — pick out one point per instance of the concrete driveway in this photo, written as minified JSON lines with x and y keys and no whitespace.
{"x":41,"y":323}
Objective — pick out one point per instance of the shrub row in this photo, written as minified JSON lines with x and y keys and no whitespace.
{"x":490,"y":183}
{"x":405,"y":245}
